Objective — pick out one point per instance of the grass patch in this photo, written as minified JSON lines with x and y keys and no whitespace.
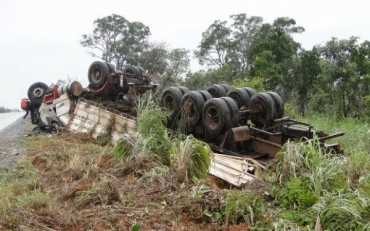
{"x":22,"y":196}
{"x":151,"y":178}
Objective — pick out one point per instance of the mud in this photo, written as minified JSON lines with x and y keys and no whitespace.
{"x":11,"y":137}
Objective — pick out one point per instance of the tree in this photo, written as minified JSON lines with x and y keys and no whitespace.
{"x":166,"y":66}
{"x":215,"y":42}
{"x":116,"y":40}
{"x":282,"y":49}
{"x":178,"y":62}
{"x":244,"y":32}
{"x":341,"y":73}
{"x":308,"y":70}
{"x":154,"y":59}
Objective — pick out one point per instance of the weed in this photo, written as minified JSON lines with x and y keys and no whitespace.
{"x":191,"y":158}
{"x":242,"y":206}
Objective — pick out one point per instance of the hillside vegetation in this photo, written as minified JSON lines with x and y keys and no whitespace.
{"x":154,"y":181}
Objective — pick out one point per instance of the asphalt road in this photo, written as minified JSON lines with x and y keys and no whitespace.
{"x":13,"y":129}
{"x":7,"y":119}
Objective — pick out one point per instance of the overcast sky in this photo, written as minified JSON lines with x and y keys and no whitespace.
{"x":39,"y":39}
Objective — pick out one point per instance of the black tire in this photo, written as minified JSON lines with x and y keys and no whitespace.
{"x":251,"y":92}
{"x":215,"y":116}
{"x":226,"y":87}
{"x":183,"y":89}
{"x":192,"y":104}
{"x":279,"y":105}
{"x":205,"y":94}
{"x":217,"y":91}
{"x":171,"y":102}
{"x":240,"y":96}
{"x":263,"y":109}
{"x":132,"y":70}
{"x":111,"y":67}
{"x":234,"y":112}
{"x":36,"y":93}
{"x":98,"y":74}
{"x":141,"y":69}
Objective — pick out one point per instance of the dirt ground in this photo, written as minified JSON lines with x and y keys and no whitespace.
{"x":164,"y":201}
{"x":10,"y":142}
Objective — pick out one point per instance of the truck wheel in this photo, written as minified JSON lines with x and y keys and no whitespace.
{"x":141,"y":69}
{"x":132,"y":70}
{"x":240,"y":96}
{"x":279,"y":105}
{"x":216,"y":90}
{"x":111,"y":67}
{"x":98,"y":74}
{"x":205,"y":94}
{"x":226,"y":87}
{"x":234,"y":111}
{"x":192,"y":104}
{"x":263,"y":107}
{"x":215,"y":115}
{"x":36,"y":92}
{"x":183,"y":89}
{"x":171,"y":102}
{"x":251,"y":92}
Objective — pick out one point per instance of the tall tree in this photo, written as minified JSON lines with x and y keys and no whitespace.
{"x":154,"y":59}
{"x":276,"y":38}
{"x":244,"y":32}
{"x":215,"y":42}
{"x":308,"y":70}
{"x":178,"y":62}
{"x":165,"y":65}
{"x":341,"y":72}
{"x":116,"y":40}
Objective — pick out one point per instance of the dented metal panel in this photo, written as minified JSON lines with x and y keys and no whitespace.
{"x":235,"y":170}
{"x":99,"y":122}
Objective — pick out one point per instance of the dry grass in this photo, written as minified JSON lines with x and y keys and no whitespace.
{"x":74,"y":184}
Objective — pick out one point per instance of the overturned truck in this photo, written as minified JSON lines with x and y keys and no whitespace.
{"x":244,"y":127}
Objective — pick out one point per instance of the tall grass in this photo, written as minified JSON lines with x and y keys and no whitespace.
{"x":186,"y":155}
{"x":191,"y":157}
{"x":333,"y":187}
{"x":357,"y":132}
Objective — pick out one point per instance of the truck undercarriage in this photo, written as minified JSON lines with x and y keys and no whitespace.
{"x":235,"y":122}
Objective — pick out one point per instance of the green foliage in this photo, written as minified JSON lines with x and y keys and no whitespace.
{"x":154,"y":59}
{"x":151,"y":136}
{"x":156,"y":139}
{"x":256,"y":83}
{"x":136,"y":227}
{"x":297,"y":194}
{"x":344,"y":211}
{"x":266,"y":68}
{"x":128,"y":145}
{"x":212,"y":49}
{"x":191,"y":157}
{"x":117,"y":39}
{"x":20,"y":193}
{"x":308,"y":70}
{"x":187,"y":155}
{"x":242,"y":206}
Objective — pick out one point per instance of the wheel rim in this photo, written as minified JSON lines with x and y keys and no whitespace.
{"x":189,"y":109}
{"x":38,"y":92}
{"x":96,"y":75}
{"x":169,"y":104}
{"x":212,"y":118}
